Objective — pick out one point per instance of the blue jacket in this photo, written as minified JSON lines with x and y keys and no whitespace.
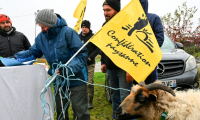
{"x":157,"y":28}
{"x":59,"y":44}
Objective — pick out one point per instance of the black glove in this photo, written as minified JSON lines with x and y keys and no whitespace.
{"x":62,"y":71}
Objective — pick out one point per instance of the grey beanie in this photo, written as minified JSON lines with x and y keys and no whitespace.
{"x":46,"y":17}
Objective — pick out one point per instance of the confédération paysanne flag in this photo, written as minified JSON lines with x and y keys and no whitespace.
{"x":79,"y":13}
{"x":128,"y":40}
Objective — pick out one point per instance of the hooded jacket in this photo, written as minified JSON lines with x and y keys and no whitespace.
{"x":93,"y":50}
{"x":155,"y":23}
{"x":157,"y":28}
{"x":12,"y":43}
{"x":59,"y":44}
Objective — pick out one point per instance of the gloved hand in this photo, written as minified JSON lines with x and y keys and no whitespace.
{"x":21,"y":59}
{"x":62,"y":71}
{"x":32,"y":57}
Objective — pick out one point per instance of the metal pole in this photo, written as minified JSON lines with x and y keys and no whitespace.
{"x":61,"y":101}
{"x":35,"y":22}
{"x":67,"y":63}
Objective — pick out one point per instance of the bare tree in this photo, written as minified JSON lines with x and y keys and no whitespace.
{"x":179,"y":27}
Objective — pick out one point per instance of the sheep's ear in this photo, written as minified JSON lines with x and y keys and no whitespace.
{"x":152,"y":97}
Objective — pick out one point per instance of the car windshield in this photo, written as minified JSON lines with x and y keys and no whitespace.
{"x":168,"y":44}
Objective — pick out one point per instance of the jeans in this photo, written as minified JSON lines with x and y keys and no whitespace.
{"x":117,"y":79}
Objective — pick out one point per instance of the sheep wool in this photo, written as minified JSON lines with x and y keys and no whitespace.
{"x":150,"y":101}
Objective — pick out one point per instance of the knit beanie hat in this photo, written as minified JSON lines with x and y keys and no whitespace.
{"x":4,"y":18}
{"x":86,"y":23}
{"x":115,"y":4}
{"x":46,"y":17}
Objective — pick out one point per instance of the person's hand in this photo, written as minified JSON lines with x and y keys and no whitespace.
{"x":32,"y":57}
{"x":129,"y":78}
{"x":21,"y":59}
{"x":89,"y":59}
{"x":61,"y":71}
{"x":58,"y":72}
{"x":103,"y":68}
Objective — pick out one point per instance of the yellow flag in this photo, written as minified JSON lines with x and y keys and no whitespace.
{"x":128,"y":40}
{"x":79,"y":13}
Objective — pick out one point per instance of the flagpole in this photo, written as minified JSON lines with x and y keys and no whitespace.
{"x":67,"y":63}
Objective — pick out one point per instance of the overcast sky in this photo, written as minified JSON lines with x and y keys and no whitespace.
{"x":22,"y":12}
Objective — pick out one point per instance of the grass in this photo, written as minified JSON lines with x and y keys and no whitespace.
{"x":102,"y":108}
{"x":98,"y":58}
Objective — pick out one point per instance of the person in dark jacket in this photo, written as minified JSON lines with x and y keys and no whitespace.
{"x":93,"y":51}
{"x":117,"y":76}
{"x":58,"y":43}
{"x":157,"y":28}
{"x":11,"y":41}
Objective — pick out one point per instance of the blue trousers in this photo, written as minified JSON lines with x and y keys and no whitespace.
{"x":117,"y":79}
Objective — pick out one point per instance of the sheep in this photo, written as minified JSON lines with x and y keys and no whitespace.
{"x":148,"y":102}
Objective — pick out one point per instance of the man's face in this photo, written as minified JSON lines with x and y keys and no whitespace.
{"x":43,"y":27}
{"x":85,"y":30}
{"x":5,"y":26}
{"x":109,"y":12}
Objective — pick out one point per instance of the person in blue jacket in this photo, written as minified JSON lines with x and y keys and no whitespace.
{"x":157,"y":28}
{"x":58,"y":43}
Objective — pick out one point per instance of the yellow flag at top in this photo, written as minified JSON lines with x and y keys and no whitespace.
{"x":79,"y":13}
{"x":128,"y":40}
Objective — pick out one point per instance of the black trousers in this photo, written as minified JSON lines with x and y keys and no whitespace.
{"x":60,"y":106}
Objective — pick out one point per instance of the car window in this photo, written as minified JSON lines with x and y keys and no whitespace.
{"x":168,"y":44}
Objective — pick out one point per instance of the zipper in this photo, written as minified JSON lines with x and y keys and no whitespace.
{"x":9,"y":46}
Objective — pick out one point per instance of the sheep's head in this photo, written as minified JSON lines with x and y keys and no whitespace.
{"x":140,"y":101}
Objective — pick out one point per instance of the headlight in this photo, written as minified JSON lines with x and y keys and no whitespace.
{"x":190,"y":63}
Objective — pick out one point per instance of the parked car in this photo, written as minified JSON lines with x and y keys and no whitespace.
{"x":177,"y":69}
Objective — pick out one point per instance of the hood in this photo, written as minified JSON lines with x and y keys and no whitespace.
{"x":175,"y":54}
{"x":172,"y":51}
{"x":53,"y":31}
{"x":144,"y":4}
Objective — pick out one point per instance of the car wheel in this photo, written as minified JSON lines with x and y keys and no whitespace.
{"x":107,"y":90}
